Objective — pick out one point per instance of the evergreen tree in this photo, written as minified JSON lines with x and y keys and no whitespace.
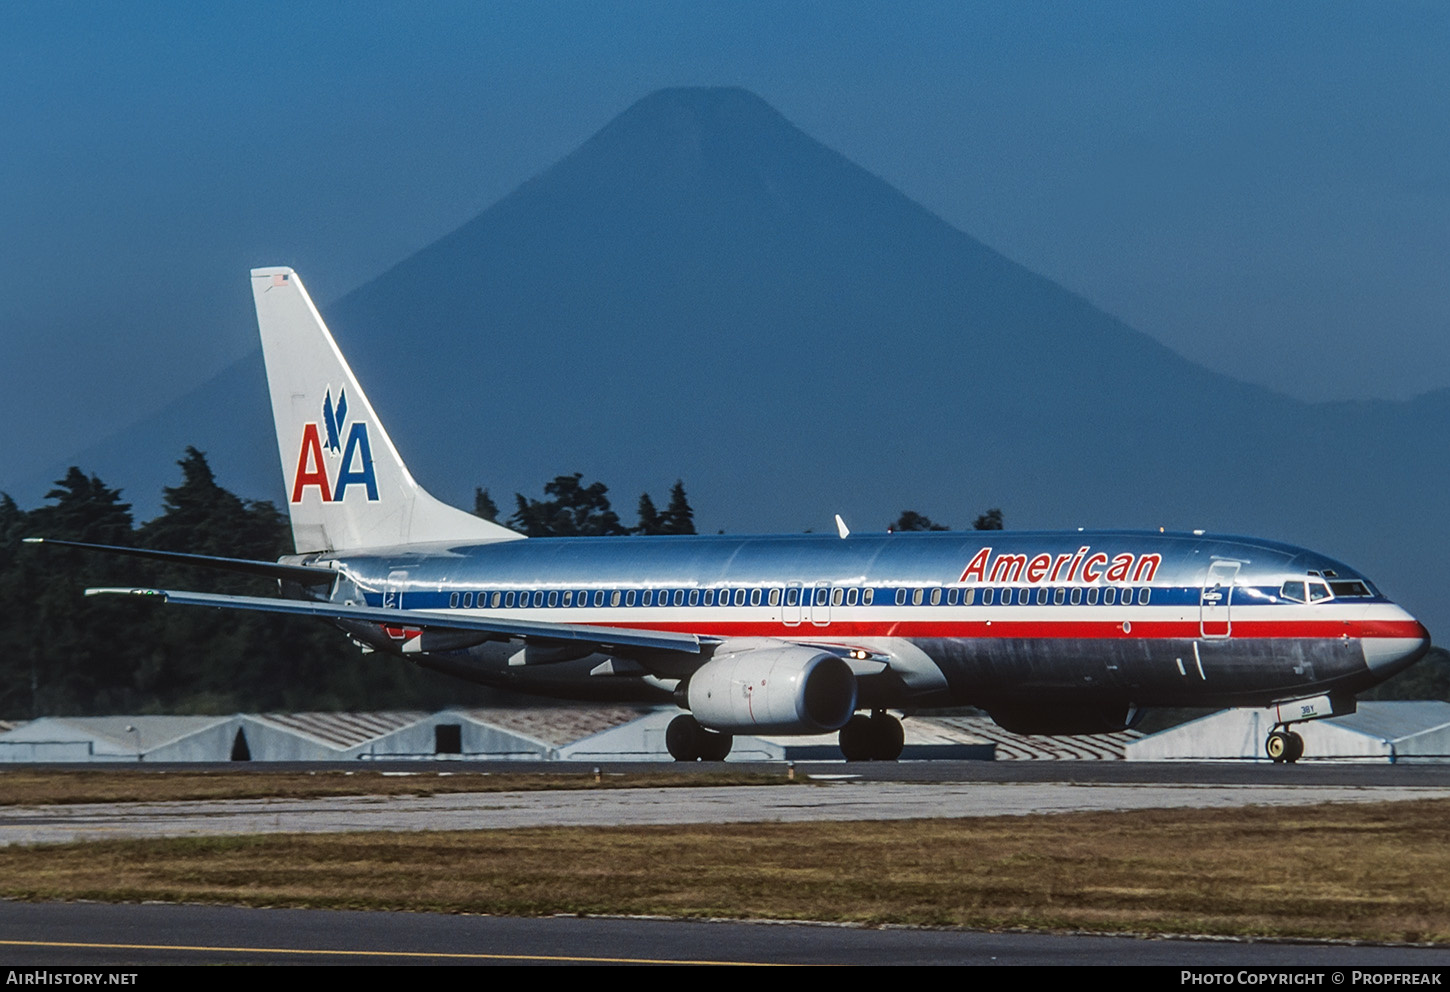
{"x":911,"y":520}
{"x":85,"y":510}
{"x":483,"y":505}
{"x":77,"y":651}
{"x":991,"y":520}
{"x":575,"y":510}
{"x":649,"y":518}
{"x":679,"y":517}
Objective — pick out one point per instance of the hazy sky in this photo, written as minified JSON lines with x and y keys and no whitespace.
{"x":1263,"y":187}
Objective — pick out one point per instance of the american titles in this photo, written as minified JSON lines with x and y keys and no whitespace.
{"x":1078,"y":566}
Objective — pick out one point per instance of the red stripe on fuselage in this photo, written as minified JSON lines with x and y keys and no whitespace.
{"x":1037,"y":629}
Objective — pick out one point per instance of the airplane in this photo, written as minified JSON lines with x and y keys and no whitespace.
{"x":1050,"y":633}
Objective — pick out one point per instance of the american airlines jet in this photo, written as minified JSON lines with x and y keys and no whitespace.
{"x":1050,"y":633}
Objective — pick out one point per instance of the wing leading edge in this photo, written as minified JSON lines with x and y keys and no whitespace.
{"x":605,"y":637}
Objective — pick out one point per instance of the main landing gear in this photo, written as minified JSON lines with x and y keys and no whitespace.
{"x":878,"y":737}
{"x":687,"y":740}
{"x":1284,"y":747}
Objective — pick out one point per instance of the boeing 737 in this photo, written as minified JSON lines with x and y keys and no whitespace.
{"x":1050,"y":633}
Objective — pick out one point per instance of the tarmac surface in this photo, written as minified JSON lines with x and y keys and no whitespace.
{"x":816,"y":801}
{"x":91,"y":934}
{"x":81,"y":934}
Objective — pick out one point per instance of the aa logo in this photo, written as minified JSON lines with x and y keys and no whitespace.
{"x":351,"y":459}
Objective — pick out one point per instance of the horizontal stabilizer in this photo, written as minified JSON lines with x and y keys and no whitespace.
{"x":307,"y":575}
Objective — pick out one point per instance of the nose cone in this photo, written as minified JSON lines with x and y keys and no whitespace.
{"x":1394,"y":645}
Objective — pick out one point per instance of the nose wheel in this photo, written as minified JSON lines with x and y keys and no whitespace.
{"x":1284,"y":747}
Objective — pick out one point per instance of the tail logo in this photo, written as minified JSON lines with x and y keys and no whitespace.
{"x":354,"y":466}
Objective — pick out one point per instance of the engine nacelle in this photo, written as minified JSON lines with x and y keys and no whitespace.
{"x":784,"y":690}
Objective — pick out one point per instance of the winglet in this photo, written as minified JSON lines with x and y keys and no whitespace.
{"x":841,"y":527}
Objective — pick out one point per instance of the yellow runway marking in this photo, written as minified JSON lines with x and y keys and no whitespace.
{"x":458,"y":956}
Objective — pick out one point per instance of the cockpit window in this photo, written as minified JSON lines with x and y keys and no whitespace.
{"x":1293,"y":590}
{"x":1318,"y":592}
{"x":1350,"y":588}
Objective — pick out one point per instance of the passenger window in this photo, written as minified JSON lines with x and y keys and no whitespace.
{"x":901,"y":597}
{"x":553,"y":598}
{"x":1059,"y":596}
{"x":508,"y":599}
{"x":614,"y":598}
{"x":968,"y":597}
{"x":539,"y":598}
{"x":792,"y":596}
{"x":708,"y":599}
{"x":1144,"y":595}
{"x":838,"y":596}
{"x":495,"y":598}
{"x":679,"y":597}
{"x":916,"y":597}
{"x":755,"y":597}
{"x":852,"y":596}
{"x":468,"y":600}
{"x":868,"y":596}
{"x":568,"y":597}
{"x":1293,"y":591}
{"x":775,"y":597}
{"x":453,"y":601}
{"x":694,"y":597}
{"x":1110,"y":596}
{"x":629,"y":598}
{"x":936,"y":597}
{"x":598,"y":597}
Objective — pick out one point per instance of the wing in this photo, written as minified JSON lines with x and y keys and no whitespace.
{"x":606,"y":638}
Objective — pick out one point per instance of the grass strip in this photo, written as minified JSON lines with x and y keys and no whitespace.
{"x":1378,"y":872}
{"x":44,"y":787}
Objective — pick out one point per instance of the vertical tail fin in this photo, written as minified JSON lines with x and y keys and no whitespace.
{"x":347,"y":487}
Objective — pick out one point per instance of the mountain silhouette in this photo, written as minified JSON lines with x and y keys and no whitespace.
{"x":702,"y":291}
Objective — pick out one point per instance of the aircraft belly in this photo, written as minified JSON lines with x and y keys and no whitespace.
{"x":1149,"y":672}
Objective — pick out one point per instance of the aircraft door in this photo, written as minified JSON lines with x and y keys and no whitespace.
{"x":791,"y":616}
{"x":821,"y":605}
{"x":1216,"y":599}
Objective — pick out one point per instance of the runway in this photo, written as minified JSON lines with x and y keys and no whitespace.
{"x":834,"y":801}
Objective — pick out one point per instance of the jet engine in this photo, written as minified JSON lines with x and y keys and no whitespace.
{"x":786,"y":690}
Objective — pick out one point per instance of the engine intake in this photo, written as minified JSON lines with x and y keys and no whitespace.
{"x":786,"y":690}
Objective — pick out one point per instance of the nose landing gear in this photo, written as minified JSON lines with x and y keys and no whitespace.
{"x":1284,"y":746}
